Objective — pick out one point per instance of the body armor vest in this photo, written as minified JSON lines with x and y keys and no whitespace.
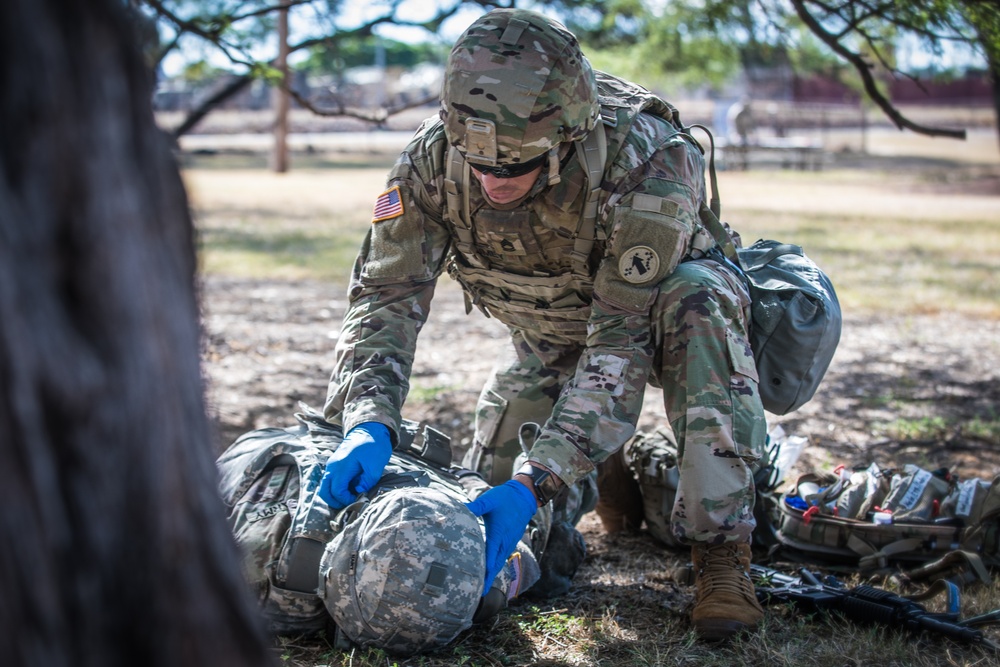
{"x":501,"y":265}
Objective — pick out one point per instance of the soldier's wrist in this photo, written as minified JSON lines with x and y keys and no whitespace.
{"x":541,"y":482}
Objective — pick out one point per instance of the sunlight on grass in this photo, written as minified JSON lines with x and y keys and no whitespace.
{"x":923,"y":428}
{"x":939,"y":428}
{"x":428,"y":393}
{"x":305,"y":224}
{"x":288,"y":254}
{"x":892,"y":243}
{"x":885,"y":250}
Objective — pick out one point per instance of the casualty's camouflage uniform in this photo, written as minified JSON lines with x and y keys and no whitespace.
{"x":290,"y":539}
{"x":652,"y":307}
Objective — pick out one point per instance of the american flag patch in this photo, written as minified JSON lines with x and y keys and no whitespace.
{"x":388,"y":205}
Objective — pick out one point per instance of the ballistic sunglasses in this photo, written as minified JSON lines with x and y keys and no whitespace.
{"x":510,"y":170}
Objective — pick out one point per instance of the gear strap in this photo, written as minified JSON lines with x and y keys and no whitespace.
{"x":593,"y":154}
{"x":457,"y":172}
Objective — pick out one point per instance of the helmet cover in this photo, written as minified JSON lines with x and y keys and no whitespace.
{"x":406,"y":575}
{"x":516,"y":86}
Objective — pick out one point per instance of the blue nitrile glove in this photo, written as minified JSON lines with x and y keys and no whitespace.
{"x":506,"y":511}
{"x":357,"y":464}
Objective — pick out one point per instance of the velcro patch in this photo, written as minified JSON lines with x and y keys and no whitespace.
{"x":389,"y":205}
{"x":654,"y":204}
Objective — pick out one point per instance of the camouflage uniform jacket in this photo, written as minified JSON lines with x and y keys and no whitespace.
{"x":647,"y":223}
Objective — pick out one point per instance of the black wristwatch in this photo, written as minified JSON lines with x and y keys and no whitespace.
{"x":547,"y":486}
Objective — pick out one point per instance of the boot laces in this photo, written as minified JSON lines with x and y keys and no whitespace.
{"x":722,"y":572}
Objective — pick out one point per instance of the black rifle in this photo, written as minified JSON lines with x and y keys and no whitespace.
{"x":861,"y":604}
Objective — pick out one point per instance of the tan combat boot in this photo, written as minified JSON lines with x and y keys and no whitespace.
{"x":725,"y":602}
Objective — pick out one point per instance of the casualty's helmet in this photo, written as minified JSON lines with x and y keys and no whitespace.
{"x":406,"y":573}
{"x":516,"y":86}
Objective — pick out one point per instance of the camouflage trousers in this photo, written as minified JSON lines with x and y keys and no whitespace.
{"x":710,"y":397}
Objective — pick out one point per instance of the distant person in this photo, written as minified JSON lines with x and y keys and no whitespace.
{"x":566,"y":203}
{"x":741,"y":126}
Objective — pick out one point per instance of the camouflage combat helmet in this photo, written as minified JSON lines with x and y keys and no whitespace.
{"x":516,"y":87}
{"x":406,"y":574}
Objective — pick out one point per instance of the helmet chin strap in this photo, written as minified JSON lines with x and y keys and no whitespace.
{"x":553,"y":176}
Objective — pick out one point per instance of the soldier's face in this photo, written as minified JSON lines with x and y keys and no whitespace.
{"x":506,"y":190}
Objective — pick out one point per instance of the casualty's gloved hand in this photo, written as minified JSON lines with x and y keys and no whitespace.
{"x":506,"y":511}
{"x":357,"y":464}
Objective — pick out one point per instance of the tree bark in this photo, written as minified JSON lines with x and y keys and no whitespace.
{"x":279,"y":156}
{"x":993,"y":63}
{"x":115,"y":547}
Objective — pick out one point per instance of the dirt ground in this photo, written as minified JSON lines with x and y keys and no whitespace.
{"x":270,"y":345}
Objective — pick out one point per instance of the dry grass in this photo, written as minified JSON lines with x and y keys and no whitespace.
{"x":307,"y":223}
{"x":916,"y":233}
{"x":626,"y":611}
{"x":912,"y":227}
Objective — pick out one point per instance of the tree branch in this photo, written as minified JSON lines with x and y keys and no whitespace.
{"x":868,"y":80}
{"x":374,"y":116}
{"x":235,"y":85}
{"x":240,"y":81}
{"x":214,"y":36}
{"x":287,"y":4}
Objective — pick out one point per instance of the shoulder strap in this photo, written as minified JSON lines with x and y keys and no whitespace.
{"x":593,"y":154}
{"x":456,"y":187}
{"x":710,"y":214}
{"x":714,"y":203}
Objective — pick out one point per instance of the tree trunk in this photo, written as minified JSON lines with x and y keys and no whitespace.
{"x":115,"y":547}
{"x":986,"y":21}
{"x":279,"y":156}
{"x":993,"y":61}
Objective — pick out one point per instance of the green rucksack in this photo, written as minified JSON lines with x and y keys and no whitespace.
{"x":269,"y":480}
{"x":795,"y":316}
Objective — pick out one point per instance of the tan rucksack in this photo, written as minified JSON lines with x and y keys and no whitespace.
{"x":878,"y":520}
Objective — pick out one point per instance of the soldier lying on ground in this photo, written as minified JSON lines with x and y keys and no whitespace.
{"x":566,"y":203}
{"x":402,"y":567}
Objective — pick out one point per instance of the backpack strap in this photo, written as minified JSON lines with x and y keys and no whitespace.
{"x":710,"y":214}
{"x":456,"y":188}
{"x":302,"y":558}
{"x":593,"y":154}
{"x":878,"y":559}
{"x":715,"y":203}
{"x":960,"y":567}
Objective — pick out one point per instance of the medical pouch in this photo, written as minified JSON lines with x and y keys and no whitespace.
{"x":876,"y":520}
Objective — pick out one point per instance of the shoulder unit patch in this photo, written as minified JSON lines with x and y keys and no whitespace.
{"x":639,"y":264}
